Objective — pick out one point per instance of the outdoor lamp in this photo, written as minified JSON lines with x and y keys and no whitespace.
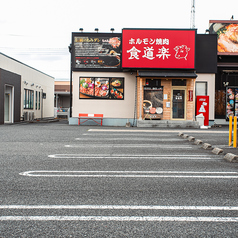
{"x":81,"y":29}
{"x":96,"y":29}
{"x":112,"y":29}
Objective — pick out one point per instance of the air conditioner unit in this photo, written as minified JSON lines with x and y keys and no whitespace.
{"x":30,"y":116}
{"x":25,"y":116}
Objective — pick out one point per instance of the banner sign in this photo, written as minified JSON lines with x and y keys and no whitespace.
{"x":104,"y":88}
{"x":96,"y":51}
{"x":148,"y":48}
{"x":227,"y":36}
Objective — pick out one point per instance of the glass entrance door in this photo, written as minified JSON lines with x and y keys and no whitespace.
{"x":7,"y":107}
{"x":178,"y":110}
{"x":8,"y":104}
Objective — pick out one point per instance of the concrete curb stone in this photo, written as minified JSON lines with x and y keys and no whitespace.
{"x":198,"y":142}
{"x":206,"y":146}
{"x":228,"y":156}
{"x":191,"y":138}
{"x":231,"y":157}
{"x":185,"y":136}
{"x":217,"y":151}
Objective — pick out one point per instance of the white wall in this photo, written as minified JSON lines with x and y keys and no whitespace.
{"x":31,"y":75}
{"x":110,"y":108}
{"x":210,"y":79}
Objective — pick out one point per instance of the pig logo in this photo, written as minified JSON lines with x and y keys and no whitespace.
{"x":181,"y":52}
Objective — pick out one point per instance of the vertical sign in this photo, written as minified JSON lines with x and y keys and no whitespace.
{"x":190,"y":95}
{"x":203,"y":108}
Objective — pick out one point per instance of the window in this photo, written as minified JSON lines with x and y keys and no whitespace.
{"x":28,"y":99}
{"x":201,"y":89}
{"x":179,"y":82}
{"x":39,"y":101}
{"x":101,"y":88}
{"x":36,"y":102}
{"x":153,"y":83}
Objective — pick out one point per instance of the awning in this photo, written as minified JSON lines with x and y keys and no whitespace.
{"x":166,"y":74}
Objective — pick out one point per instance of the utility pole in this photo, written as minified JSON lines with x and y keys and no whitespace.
{"x":192,"y":20}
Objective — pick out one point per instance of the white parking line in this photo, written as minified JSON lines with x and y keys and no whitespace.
{"x":131,"y":145}
{"x":129,"y":138}
{"x":125,"y":134}
{"x":159,"y":131}
{"x":119,"y":218}
{"x":132,"y":174}
{"x":120,"y":207}
{"x":125,"y":156}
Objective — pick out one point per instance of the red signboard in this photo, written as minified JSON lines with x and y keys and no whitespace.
{"x":148,"y":48}
{"x":203,"y":108}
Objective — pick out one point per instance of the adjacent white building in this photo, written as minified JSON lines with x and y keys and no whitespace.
{"x":25,"y":93}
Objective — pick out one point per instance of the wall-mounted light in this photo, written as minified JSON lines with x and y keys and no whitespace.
{"x":81,"y":29}
{"x":70,"y":48}
{"x":39,"y":86}
{"x":36,"y":86}
{"x":25,"y":82}
{"x":32,"y":84}
{"x":112,"y":29}
{"x":96,"y":29}
{"x":207,"y":31}
{"x":225,"y":84}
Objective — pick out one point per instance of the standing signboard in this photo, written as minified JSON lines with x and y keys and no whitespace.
{"x":231,"y":102}
{"x":202,"y":106}
{"x":158,"y":48}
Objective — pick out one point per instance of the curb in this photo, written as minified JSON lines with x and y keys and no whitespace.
{"x":232,"y":158}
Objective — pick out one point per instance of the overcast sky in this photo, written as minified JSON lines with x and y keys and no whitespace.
{"x":38,"y":33}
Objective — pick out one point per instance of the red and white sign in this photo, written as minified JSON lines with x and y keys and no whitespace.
{"x":203,"y":108}
{"x":190,"y":95}
{"x":146,"y":48}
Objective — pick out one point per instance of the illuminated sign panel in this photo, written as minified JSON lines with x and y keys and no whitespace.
{"x":227,"y":36}
{"x":96,"y":51}
{"x":154,"y":48}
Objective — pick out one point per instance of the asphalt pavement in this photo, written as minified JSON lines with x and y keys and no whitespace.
{"x":58,"y":180}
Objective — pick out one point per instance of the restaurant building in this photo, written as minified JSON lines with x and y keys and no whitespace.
{"x":145,"y":77}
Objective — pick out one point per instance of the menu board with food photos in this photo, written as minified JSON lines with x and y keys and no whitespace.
{"x":153,"y":103}
{"x":101,"y":88}
{"x":231,"y":101}
{"x":96,"y":51}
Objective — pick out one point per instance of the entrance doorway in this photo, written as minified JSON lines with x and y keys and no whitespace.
{"x":178,"y":103}
{"x":8,"y":104}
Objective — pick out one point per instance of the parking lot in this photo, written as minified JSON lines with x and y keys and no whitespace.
{"x":91,"y":181}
